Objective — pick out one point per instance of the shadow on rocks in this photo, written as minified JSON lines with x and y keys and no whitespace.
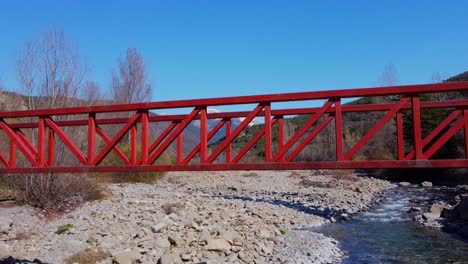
{"x":325,"y":212}
{"x":12,"y":260}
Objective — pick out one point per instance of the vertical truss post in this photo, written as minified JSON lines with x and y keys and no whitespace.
{"x":51,"y":147}
{"x":400,"y":140}
{"x":203,"y":135}
{"x":144,"y":137}
{"x":280,"y":134}
{"x":180,"y":148}
{"x":12,"y":153}
{"x":415,"y":104}
{"x":268,"y":153}
{"x":91,"y":136}
{"x":465,"y":128}
{"x":338,"y":130}
{"x":229,"y":147}
{"x":133,"y":144}
{"x":41,"y":142}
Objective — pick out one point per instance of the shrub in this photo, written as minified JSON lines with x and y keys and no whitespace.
{"x":54,"y":192}
{"x":88,"y":256}
{"x":63,"y":229}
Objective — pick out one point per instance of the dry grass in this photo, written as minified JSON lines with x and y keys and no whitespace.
{"x":87,"y":256}
{"x":54,"y":192}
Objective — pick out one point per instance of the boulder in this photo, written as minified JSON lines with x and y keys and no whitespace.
{"x":127,"y":257}
{"x":217,"y":245}
{"x":426,"y":184}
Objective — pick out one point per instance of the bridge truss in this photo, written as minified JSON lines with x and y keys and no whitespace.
{"x":32,"y":135}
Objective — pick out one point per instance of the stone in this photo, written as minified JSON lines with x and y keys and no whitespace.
{"x":175,"y":240}
{"x":158,"y":227}
{"x":4,"y":250}
{"x":264,"y":233}
{"x":73,"y":245}
{"x":265,"y":249}
{"x":404,"y":184}
{"x":217,"y":245}
{"x":127,"y":257}
{"x":435,"y":212}
{"x":185,"y":257}
{"x":229,"y":235}
{"x":162,"y":243}
{"x":426,"y":184}
{"x":169,"y":259}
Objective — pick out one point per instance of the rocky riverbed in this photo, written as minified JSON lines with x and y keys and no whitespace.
{"x":197,"y":217}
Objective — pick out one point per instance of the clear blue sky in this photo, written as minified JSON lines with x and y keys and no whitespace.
{"x":197,"y":49}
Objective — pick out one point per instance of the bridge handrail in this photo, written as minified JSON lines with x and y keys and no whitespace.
{"x":251,"y":99}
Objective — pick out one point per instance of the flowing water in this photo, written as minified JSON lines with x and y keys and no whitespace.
{"x":387,"y":234}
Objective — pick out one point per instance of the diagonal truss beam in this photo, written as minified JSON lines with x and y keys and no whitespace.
{"x":116,"y":139}
{"x":116,"y":149}
{"x":444,"y":138}
{"x":252,"y":142}
{"x":309,"y":138}
{"x":313,"y":119}
{"x":213,"y":132}
{"x":180,"y":127}
{"x":389,"y":115}
{"x":228,"y":140}
{"x":446,"y":122}
{"x":67,"y":141}
{"x":19,"y":142}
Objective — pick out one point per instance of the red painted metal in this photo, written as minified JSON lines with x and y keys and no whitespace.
{"x":137,"y":129}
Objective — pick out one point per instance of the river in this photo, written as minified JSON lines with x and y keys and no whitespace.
{"x":387,"y":234}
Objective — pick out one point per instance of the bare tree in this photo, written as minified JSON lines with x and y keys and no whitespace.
{"x":389,"y":75}
{"x":129,"y":81}
{"x":437,"y":77}
{"x":50,"y":74}
{"x":49,"y":71}
{"x":91,"y":93}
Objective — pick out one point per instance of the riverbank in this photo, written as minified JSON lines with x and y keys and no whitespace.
{"x":234,"y":217}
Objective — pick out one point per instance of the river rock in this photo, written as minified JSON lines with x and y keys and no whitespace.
{"x":404,"y":184}
{"x":217,"y":245}
{"x":158,"y":227}
{"x":4,"y":250}
{"x":435,"y":212}
{"x":169,"y":259}
{"x":127,"y":257}
{"x":426,"y":184}
{"x":162,"y":243}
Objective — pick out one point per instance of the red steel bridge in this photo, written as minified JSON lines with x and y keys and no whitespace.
{"x":33,"y":135}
